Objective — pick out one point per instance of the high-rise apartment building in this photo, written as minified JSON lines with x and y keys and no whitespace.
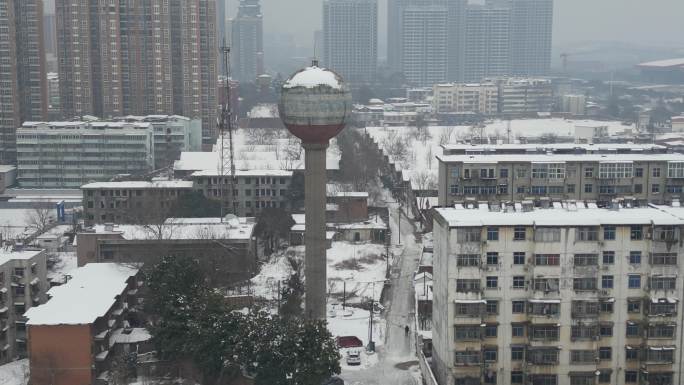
{"x":23,"y":82}
{"x":395,"y":16}
{"x":531,"y":35}
{"x":424,"y":43}
{"x":155,"y":57}
{"x":350,"y":38}
{"x":486,"y":41}
{"x":247,"y":42}
{"x":456,"y":37}
{"x":567,"y":295}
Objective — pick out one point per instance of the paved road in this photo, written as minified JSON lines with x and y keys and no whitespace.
{"x":392,"y":368}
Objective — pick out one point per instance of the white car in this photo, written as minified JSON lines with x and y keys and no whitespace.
{"x":354,"y":357}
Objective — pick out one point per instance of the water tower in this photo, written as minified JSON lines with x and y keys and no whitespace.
{"x":315,"y":105}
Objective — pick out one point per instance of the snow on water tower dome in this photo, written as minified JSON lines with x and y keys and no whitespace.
{"x":315,"y":104}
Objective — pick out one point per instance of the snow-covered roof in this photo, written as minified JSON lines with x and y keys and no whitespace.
{"x":285,"y":173}
{"x":139,"y":184}
{"x":551,"y":146}
{"x":89,"y":294}
{"x":678,"y":62}
{"x":7,"y":255}
{"x":311,"y":77}
{"x":55,"y":232}
{"x":185,"y":229}
{"x":348,"y":194}
{"x":263,"y":111}
{"x":131,"y":336}
{"x":571,"y":214}
{"x":373,"y":223}
{"x":7,"y":168}
{"x":560,"y":158}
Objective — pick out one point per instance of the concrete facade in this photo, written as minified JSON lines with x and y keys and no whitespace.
{"x":315,"y":264}
{"x":487,"y":41}
{"x":23,"y":79}
{"x":155,"y":57}
{"x":519,"y":96}
{"x":531,"y":37}
{"x":70,"y":154}
{"x":637,"y":178}
{"x":466,"y":97}
{"x":350,"y":38}
{"x":8,"y":177}
{"x":560,"y":296}
{"x":23,"y":283}
{"x":424,"y":43}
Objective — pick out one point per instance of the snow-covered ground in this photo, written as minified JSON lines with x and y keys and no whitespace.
{"x":361,"y":265}
{"x":418,"y":162}
{"x":355,"y":322}
{"x":14,"y":373}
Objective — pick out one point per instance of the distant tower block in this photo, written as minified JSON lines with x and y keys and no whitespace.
{"x":315,"y":105}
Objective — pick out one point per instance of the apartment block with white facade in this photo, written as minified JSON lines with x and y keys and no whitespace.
{"x":525,"y":96}
{"x":570,"y":295}
{"x":585,"y":175}
{"x":70,"y":154}
{"x":480,"y":98}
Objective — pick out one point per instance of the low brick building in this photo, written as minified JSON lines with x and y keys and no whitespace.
{"x":69,"y":337}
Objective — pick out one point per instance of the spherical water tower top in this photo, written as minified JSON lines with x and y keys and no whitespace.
{"x":315,"y":104}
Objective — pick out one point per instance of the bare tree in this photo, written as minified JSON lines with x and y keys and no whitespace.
{"x":39,"y":217}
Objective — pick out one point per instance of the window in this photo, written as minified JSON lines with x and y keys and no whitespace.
{"x":492,"y":258}
{"x":571,"y":188}
{"x":503,"y":173}
{"x":538,"y":190}
{"x":519,"y":258}
{"x":492,"y":282}
{"x":19,"y":271}
{"x":633,"y":306}
{"x":584,"y":284}
{"x":468,"y":309}
{"x":606,"y":307}
{"x":605,"y":353}
{"x":615,"y":170}
{"x":582,"y":356}
{"x":453,"y":189}
{"x":586,"y":234}
{"x":609,"y":233}
{"x":519,"y":282}
{"x":517,"y":353}
{"x":634,"y":281}
{"x":549,"y":308}
{"x":665,"y":330}
{"x":519,"y":233}
{"x":547,"y":259}
{"x":631,"y":353}
{"x":467,"y":333}
{"x":655,"y":172}
{"x":585,"y":260}
{"x":589,"y":172}
{"x":469,"y":357}
{"x":468,"y":260}
{"x":503,"y":189}
{"x":492,"y":307}
{"x":518,"y":307}
{"x":469,"y":235}
{"x":517,"y":330}
{"x":582,"y":379}
{"x":675,"y":169}
{"x":664,"y":259}
{"x":584,"y":308}
{"x":638,"y":188}
{"x":631,"y":376}
{"x":607,"y":282}
{"x":583,"y":332}
{"x":455,"y":172}
{"x":491,"y":331}
{"x":635,"y":257}
{"x":638,"y":172}
{"x":546,"y":284}
{"x":543,"y":356}
{"x":516,"y":377}
{"x":604,"y":376}
{"x":539,"y":171}
{"x":608,"y":257}
{"x":606,"y":330}
{"x":655,"y":188}
{"x":556,"y":170}
{"x":467,"y":285}
{"x":490,"y":354}
{"x":492,"y":233}
{"x":588,"y":188}
{"x":664,"y":233}
{"x":632,"y":329}
{"x":663,"y":283}
{"x":543,"y":332}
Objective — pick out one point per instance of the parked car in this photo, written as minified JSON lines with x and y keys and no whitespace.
{"x":349,"y":342}
{"x":354,"y":357}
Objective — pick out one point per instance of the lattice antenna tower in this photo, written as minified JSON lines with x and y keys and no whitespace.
{"x":227,"y":165}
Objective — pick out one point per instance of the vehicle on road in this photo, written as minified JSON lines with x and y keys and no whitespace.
{"x":354,"y":357}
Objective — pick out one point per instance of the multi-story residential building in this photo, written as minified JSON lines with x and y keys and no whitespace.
{"x":350,"y":38}
{"x":253,"y":191}
{"x":487,"y":41}
{"x":583,"y":176}
{"x":395,"y":16}
{"x":525,"y":96}
{"x":88,"y":311}
{"x":531,"y":36}
{"x":559,"y":296}
{"x":70,"y":154}
{"x":456,"y":38}
{"x":424,"y":43}
{"x":247,"y":48}
{"x":131,"y":201}
{"x":574,"y":104}
{"x":23,"y":284}
{"x":154,"y":57}
{"x":22,"y":70}
{"x":54,"y":107}
{"x":465,"y":97}
{"x":173,"y":134}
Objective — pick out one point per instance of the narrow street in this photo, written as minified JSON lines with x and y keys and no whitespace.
{"x":397,"y":360}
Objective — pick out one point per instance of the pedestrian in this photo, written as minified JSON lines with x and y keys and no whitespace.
{"x":406,"y":330}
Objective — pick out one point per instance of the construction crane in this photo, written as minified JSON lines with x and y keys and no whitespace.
{"x":226,"y":126}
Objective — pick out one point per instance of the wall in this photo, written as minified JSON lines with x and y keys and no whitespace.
{"x":60,"y":355}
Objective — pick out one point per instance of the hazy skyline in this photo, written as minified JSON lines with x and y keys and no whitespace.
{"x":634,"y":21}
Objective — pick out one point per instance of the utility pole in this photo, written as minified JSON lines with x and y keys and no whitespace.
{"x":226,"y":124}
{"x":344,"y":295}
{"x":399,"y":210}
